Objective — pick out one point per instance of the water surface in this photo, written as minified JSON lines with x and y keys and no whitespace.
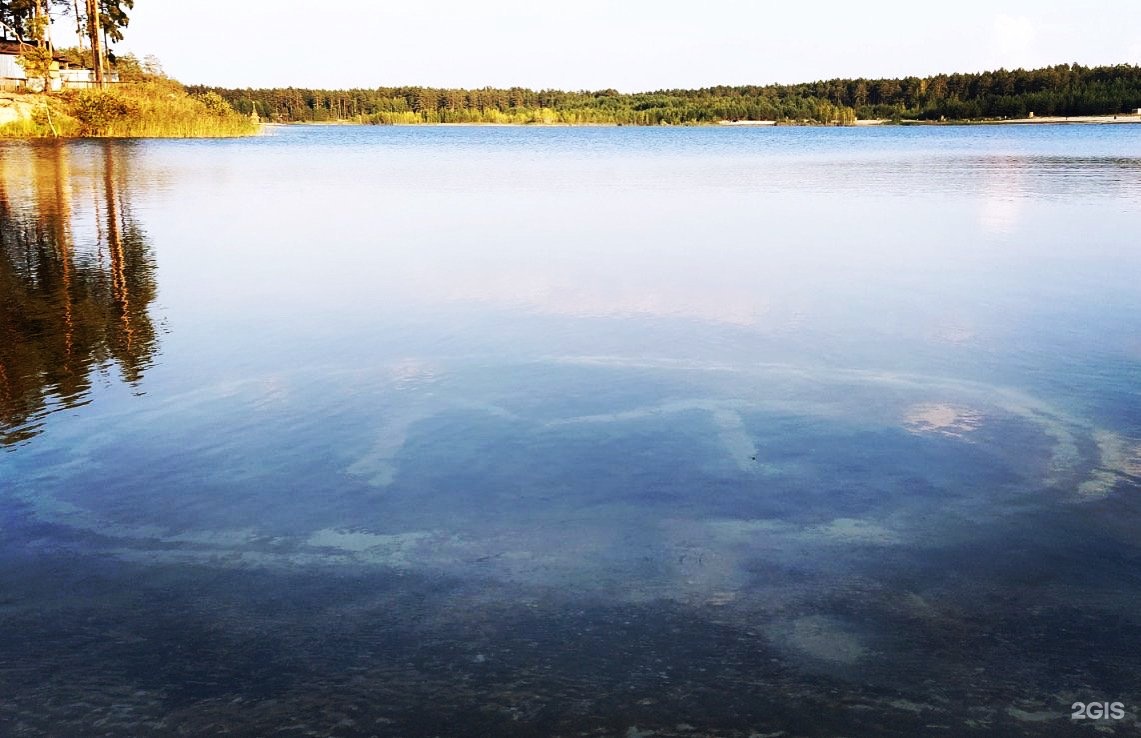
{"x":564,"y":431}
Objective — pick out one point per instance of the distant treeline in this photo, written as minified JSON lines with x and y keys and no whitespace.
{"x":1059,"y":90}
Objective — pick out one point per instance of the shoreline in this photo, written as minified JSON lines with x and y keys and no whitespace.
{"x":1121,"y":119}
{"x":150,"y":108}
{"x":17,"y":109}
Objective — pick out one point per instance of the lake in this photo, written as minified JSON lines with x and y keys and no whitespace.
{"x":483,"y":431}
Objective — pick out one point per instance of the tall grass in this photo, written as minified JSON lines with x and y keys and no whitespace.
{"x":155,"y":108}
{"x":539,"y":116}
{"x":24,"y":128}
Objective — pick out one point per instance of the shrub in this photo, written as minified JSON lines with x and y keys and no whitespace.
{"x":215,"y":103}
{"x":99,"y":110}
{"x":155,"y":107}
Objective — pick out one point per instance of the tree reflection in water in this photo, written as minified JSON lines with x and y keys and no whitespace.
{"x":77,"y":278}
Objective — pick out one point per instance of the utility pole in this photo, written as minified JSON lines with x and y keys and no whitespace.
{"x":96,"y":40}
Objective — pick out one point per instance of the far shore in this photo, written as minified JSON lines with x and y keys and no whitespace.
{"x":1034,"y":120}
{"x":1037,"y":120}
{"x":1119,"y":118}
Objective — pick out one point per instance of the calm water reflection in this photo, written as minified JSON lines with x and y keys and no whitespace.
{"x":480,"y":431}
{"x":76,"y":279}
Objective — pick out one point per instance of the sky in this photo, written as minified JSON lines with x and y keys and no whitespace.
{"x":629,"y":45}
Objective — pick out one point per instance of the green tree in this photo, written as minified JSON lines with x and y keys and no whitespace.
{"x":113,"y":18}
{"x":38,"y":62}
{"x":1063,"y":89}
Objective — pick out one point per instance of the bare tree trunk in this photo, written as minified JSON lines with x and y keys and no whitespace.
{"x":96,"y":39}
{"x":79,"y":34}
{"x":37,"y":13}
{"x":43,"y":42}
{"x":47,"y":16}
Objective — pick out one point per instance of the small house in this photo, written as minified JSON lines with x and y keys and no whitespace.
{"x":11,"y":73}
{"x":64,"y":74}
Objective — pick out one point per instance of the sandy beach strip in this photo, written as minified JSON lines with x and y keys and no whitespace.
{"x":1119,"y":118}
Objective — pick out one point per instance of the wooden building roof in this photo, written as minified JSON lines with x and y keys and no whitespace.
{"x":12,"y":48}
